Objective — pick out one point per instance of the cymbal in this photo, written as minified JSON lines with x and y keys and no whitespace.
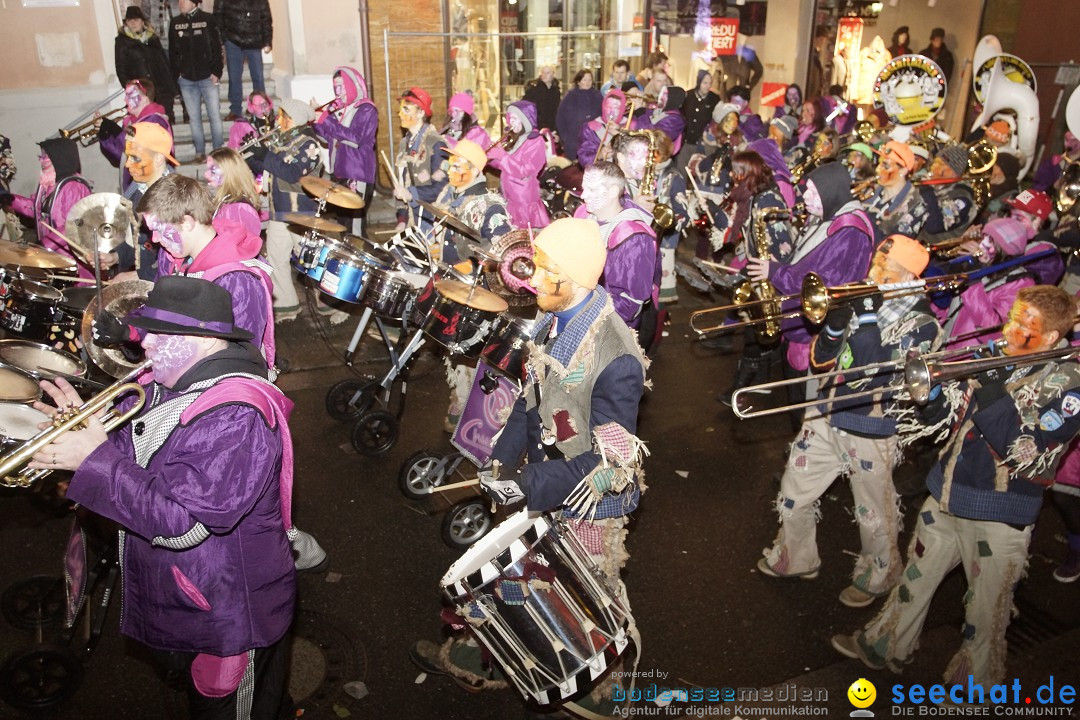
{"x":450,"y":221}
{"x":33,"y":256}
{"x":315,"y":223}
{"x":101,"y":222}
{"x":119,"y":299}
{"x":335,"y":194}
{"x":475,"y":297}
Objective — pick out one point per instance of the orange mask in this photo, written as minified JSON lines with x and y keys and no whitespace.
{"x":140,"y":162}
{"x":1024,"y":330}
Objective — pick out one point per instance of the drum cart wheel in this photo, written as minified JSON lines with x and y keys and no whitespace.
{"x":374,"y":433}
{"x":466,"y":522}
{"x":33,"y":602}
{"x":420,"y":472}
{"x":40,"y":678}
{"x":350,"y":398}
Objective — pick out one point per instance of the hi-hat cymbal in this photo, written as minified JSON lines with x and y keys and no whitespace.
{"x":335,"y":194}
{"x":450,"y":221}
{"x":101,"y":222}
{"x":33,"y":256}
{"x":471,"y":295}
{"x":315,"y":223}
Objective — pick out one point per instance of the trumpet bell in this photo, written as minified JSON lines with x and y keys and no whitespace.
{"x":815,"y":298}
{"x":919,"y":378}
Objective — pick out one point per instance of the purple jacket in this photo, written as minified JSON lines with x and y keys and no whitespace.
{"x":670,"y":123}
{"x":113,"y":147}
{"x":520,"y":170}
{"x":70,"y":192}
{"x":352,"y":137}
{"x":577,"y":108}
{"x":233,"y":591}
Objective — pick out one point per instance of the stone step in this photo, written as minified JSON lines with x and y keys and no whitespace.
{"x":185,"y":150}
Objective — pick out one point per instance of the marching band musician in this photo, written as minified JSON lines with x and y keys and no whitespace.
{"x":461,"y":123}
{"x":836,"y":243}
{"x":951,"y":205}
{"x":666,"y":117}
{"x":201,"y":483}
{"x":520,"y":158}
{"x":860,"y":162}
{"x":141,"y":108}
{"x":259,"y":120}
{"x":896,"y":206}
{"x":1008,"y":429}
{"x":467,"y":198}
{"x":724,"y":129}
{"x":60,"y":186}
{"x":586,"y":387}
{"x":856,"y":438}
{"x":297,"y":155}
{"x":349,"y":128}
{"x":670,"y":189}
{"x":597,"y":134}
{"x":421,"y":160}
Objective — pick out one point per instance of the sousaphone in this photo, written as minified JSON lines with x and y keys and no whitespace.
{"x":1004,"y":94}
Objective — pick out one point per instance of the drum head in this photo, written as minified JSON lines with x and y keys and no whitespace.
{"x":76,"y":299}
{"x":39,"y":360}
{"x":17,"y":386}
{"x":37,"y":291}
{"x":503,"y":537}
{"x":20,"y":422}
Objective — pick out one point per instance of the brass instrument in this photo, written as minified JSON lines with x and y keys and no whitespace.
{"x":864,"y":131}
{"x":762,"y":293}
{"x":663,"y":215}
{"x":951,"y":248}
{"x":921,"y":375}
{"x":982,"y":156}
{"x":863,"y":191}
{"x":270,"y":137}
{"x":86,"y":134}
{"x":1067,"y":188}
{"x":12,"y":470}
{"x":805,"y":166}
{"x":507,"y":140}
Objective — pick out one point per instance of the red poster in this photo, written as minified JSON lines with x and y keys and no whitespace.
{"x":772,"y":94}
{"x":725,"y":31}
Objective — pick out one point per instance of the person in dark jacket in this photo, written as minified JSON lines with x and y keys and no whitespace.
{"x":940,"y":54}
{"x":139,"y":54}
{"x":545,"y":93}
{"x":900,"y":38}
{"x":697,"y":109}
{"x":248,"y":30}
{"x":195,"y":54}
{"x":581,"y":104}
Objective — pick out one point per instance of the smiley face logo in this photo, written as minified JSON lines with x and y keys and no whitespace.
{"x":862,"y":693}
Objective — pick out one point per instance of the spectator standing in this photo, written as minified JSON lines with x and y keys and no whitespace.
{"x":620,"y":73}
{"x":195,"y":54}
{"x":900,"y":39}
{"x":939,"y":53}
{"x":581,"y":104}
{"x":544,"y":92}
{"x":139,"y":54}
{"x":697,"y":109}
{"x":247,"y":28}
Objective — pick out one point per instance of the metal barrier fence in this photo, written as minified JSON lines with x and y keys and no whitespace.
{"x":496,"y":66}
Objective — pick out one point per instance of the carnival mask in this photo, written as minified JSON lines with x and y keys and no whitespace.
{"x":258,"y":106}
{"x":166,"y":235}
{"x":48,"y":172}
{"x":213,"y":176}
{"x":553,"y":289}
{"x":171,"y":356}
{"x":1024,"y":329}
{"x":632,"y":160}
{"x":140,"y":162}
{"x":729,"y":124}
{"x":133,"y":98}
{"x":460,"y":172}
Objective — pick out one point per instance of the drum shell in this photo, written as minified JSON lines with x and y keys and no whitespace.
{"x":68,"y":322}
{"x":390,"y":294}
{"x":38,"y":359}
{"x":346,"y":275}
{"x":30,"y":309}
{"x":507,"y":349}
{"x":310,"y":254}
{"x":18,"y":387}
{"x":461,"y":329}
{"x":576,"y":607}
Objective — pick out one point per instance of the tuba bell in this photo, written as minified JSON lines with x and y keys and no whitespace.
{"x":1004,"y":94}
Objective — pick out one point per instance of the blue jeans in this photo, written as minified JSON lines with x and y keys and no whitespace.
{"x":196,"y":92}
{"x":234,"y":61}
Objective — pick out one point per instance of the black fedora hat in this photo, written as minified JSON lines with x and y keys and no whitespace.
{"x":181,"y":305}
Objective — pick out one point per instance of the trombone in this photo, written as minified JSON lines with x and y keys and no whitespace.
{"x":86,"y":134}
{"x":71,"y":419}
{"x":816,"y":299}
{"x":921,"y":372}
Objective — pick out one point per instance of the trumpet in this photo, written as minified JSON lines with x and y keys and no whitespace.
{"x":71,"y":419}
{"x":864,"y":190}
{"x":86,"y":134}
{"x":506,"y":141}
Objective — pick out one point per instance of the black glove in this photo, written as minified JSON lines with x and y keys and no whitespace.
{"x":258,"y":153}
{"x":868,"y":305}
{"x":109,"y":129}
{"x":108,"y":330}
{"x":6,"y":199}
{"x":838,"y":317}
{"x":991,"y":386}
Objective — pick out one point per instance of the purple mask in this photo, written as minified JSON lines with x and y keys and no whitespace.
{"x":166,"y":235}
{"x":171,"y":355}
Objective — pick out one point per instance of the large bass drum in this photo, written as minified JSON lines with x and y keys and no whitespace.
{"x":530,"y":594}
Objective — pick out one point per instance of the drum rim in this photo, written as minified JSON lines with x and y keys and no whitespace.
{"x":471,"y":563}
{"x":28,"y":378}
{"x":14,"y":342}
{"x":19,"y":286}
{"x":21,"y":408}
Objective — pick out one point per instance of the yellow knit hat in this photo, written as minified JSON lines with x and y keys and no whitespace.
{"x":575,"y":246}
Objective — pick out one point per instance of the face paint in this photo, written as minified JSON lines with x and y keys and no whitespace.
{"x":661,"y":99}
{"x":48,"y":172}
{"x":888,"y":171}
{"x":339,"y":90}
{"x":988,"y":247}
{"x":171,"y":355}
{"x":595,"y":192}
{"x":140,"y":162}
{"x":791,"y":97}
{"x":456,"y":114}
{"x":730,"y":124}
{"x":258,"y":106}
{"x":166,"y":235}
{"x":812,"y":200}
{"x":632,"y":161}
{"x":552,"y":287}
{"x":460,"y":172}
{"x":409,"y":115}
{"x":611,"y":108}
{"x":514,"y":122}
{"x":885,"y":270}
{"x":1024,"y":330}
{"x":738,"y":102}
{"x":133,"y":98}
{"x":213,"y":175}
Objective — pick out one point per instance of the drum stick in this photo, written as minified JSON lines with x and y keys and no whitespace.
{"x":72,"y":246}
{"x":390,"y":169}
{"x":718,"y":266}
{"x":454,"y":486}
{"x":84,"y":281}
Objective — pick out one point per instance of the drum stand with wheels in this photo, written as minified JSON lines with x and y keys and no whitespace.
{"x":467,"y":520}
{"x":49,"y":673}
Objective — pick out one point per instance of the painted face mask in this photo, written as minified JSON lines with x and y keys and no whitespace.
{"x":812,"y":200}
{"x":140,"y":162}
{"x":171,"y":355}
{"x":611,"y":109}
{"x":166,"y":235}
{"x":48,"y":172}
{"x":1024,"y":329}
{"x":730,"y":124}
{"x":339,"y":90}
{"x":409,"y":115}
{"x":213,"y":175}
{"x":460,"y":172}
{"x":514,"y":123}
{"x":888,"y":170}
{"x":258,"y":106}
{"x":632,"y":161}
{"x":133,"y":97}
{"x":553,"y":289}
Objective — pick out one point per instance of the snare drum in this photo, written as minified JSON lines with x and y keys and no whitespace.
{"x":18,"y":387}
{"x":18,"y":423}
{"x":392,"y":291}
{"x":309,"y":255}
{"x":462,"y":317}
{"x":507,"y":348}
{"x":529,"y":592}
{"x":39,"y":361}
{"x":347,"y":275}
{"x":30,"y":309}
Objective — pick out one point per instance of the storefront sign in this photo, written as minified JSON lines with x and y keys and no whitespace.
{"x":772,"y":94}
{"x":1015,"y":69}
{"x":911,"y":89}
{"x":725,"y":31}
